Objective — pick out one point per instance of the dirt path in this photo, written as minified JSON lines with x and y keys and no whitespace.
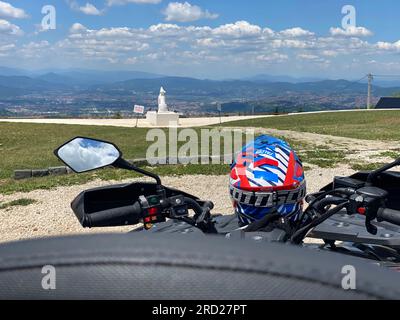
{"x":51,"y":214}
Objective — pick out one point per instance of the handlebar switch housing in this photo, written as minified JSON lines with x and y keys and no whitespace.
{"x":178,"y":207}
{"x":370,"y":199}
{"x":152,"y":210}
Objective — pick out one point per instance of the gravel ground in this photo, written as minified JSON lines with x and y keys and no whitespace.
{"x":51,"y":215}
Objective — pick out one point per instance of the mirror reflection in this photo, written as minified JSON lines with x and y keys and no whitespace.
{"x":83,"y":154}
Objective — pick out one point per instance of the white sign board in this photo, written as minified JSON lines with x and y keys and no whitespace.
{"x":138,"y":109}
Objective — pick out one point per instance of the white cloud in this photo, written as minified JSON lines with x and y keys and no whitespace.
{"x":388,"y":45}
{"x":165,"y":28}
{"x":351,"y":32}
{"x":185,"y":12}
{"x":124,"y":2}
{"x":9,"y":28}
{"x":6,"y":47}
{"x":35,"y":50}
{"x":113,"y":33}
{"x":235,"y":42}
{"x":296,"y":32}
{"x":36,"y":45}
{"x":77,"y":27}
{"x":314,"y":58}
{"x":329,"y":53}
{"x":268,"y":32}
{"x":132,"y":60}
{"x":210,"y":42}
{"x":308,"y":56}
{"x":238,"y":29}
{"x":90,"y":9}
{"x":82,"y":156}
{"x":210,"y":49}
{"x":8,"y":11}
{"x":291,"y":43}
{"x":272,"y":57}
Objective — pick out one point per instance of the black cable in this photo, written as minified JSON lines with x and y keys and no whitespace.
{"x":311,"y":204}
{"x":193,"y":204}
{"x":299,"y":235}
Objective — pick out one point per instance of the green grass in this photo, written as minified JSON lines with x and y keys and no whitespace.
{"x":370,"y":125}
{"x":30,"y":146}
{"x":10,"y":186}
{"x":390,"y":154}
{"x":366,"y":166}
{"x":24,"y":202}
{"x":323,"y":158}
{"x":320,"y":156}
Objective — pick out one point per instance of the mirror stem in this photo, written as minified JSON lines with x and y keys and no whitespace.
{"x":372,"y":175}
{"x":123,"y":164}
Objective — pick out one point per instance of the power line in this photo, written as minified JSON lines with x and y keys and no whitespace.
{"x":352,"y":83}
{"x":355,"y":81}
{"x":370,"y":78}
{"x":386,"y":75}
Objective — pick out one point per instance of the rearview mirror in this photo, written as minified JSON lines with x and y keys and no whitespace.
{"x":85,"y":154}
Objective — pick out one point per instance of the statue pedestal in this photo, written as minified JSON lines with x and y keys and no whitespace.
{"x":162,"y":119}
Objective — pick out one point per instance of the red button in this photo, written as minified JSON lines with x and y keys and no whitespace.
{"x":362,"y":210}
{"x":153,"y":211}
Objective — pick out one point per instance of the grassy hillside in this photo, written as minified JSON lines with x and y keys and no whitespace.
{"x":371,"y":125}
{"x":30,"y":146}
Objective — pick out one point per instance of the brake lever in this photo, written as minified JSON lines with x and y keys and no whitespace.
{"x":369,"y":226}
{"x":204,"y":221}
{"x":367,"y":201}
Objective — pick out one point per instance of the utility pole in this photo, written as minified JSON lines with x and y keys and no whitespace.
{"x":219,"y":107}
{"x":370,"y":78}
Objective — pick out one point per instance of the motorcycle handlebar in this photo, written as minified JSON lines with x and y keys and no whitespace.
{"x":389,"y":215}
{"x":128,"y":215}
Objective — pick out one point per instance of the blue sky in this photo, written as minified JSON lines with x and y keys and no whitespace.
{"x":207,"y":39}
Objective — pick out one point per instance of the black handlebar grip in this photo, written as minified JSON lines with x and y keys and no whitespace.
{"x":389,"y":215}
{"x":122,"y":216}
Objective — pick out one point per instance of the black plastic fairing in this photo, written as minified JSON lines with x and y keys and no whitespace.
{"x":116,"y":196}
{"x":388,"y":181}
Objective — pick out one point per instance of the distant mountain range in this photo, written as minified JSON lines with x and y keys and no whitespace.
{"x":15,"y":82}
{"x":79,"y":77}
{"x":281,"y":78}
{"x":5,"y":71}
{"x":179,"y":86}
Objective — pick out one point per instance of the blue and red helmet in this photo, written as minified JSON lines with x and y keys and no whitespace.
{"x":267,"y":177}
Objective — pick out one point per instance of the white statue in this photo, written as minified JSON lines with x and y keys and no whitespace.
{"x":163,"y":117}
{"x":162,"y":105}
